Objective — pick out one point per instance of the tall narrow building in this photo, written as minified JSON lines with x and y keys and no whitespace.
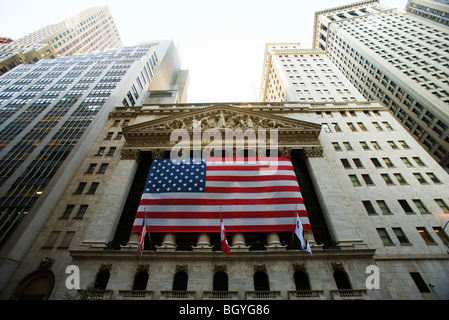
{"x":50,"y":114}
{"x":397,"y":58}
{"x":93,"y":29}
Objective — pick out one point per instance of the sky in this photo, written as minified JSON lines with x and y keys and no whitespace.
{"x":221,"y":43}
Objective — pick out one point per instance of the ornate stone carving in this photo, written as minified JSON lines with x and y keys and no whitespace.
{"x":299,"y":267}
{"x":260,"y":267}
{"x":219,"y":267}
{"x":105,"y":266}
{"x":181,"y":267}
{"x":313,"y":152}
{"x":130,"y":154}
{"x":143,"y":267}
{"x":47,"y":263}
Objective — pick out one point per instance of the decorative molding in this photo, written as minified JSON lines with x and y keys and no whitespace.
{"x":47,"y":263}
{"x":181,"y":267}
{"x":105,"y":266}
{"x":313,"y":152}
{"x":130,"y":154}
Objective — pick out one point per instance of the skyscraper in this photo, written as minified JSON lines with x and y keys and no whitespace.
{"x":51,"y":112}
{"x":434,"y":10}
{"x":93,"y":29}
{"x":397,"y":58}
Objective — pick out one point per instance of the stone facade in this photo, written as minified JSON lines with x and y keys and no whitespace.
{"x":354,"y":243}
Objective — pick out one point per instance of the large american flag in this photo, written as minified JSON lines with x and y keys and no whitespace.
{"x":251,"y":195}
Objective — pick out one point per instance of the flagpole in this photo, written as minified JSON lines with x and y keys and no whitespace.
{"x":294,"y":224}
{"x":147,"y":226}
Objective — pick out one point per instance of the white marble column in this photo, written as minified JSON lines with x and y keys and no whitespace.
{"x":238,"y":242}
{"x":203,"y":242}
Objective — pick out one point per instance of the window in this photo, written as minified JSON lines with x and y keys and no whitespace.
{"x":404,"y":144}
{"x":419,"y":162}
{"x":443,"y":236}
{"x":400,"y":178}
{"x":387,"y":179}
{"x":361,"y":126}
{"x":348,"y":146}
{"x":91,"y":168}
{"x":103,"y":168}
{"x":433,"y":177}
{"x":376,"y":163}
{"x":101,"y":151}
{"x":140,"y":280}
{"x":93,"y":188}
{"x":404,"y":204}
{"x":425,"y":235}
{"x":369,"y":207}
{"x":220,"y":281}
{"x":80,"y":188}
{"x":65,"y":243}
{"x":82,"y":210}
{"x":68,"y":210}
{"x":364,"y":145}
{"x":351,"y":126}
{"x":388,"y":162}
{"x":383,"y":207}
{"x":301,"y":280}
{"x":261,"y":281}
{"x":367,"y":179}
{"x":401,"y":236}
{"x":180,"y":281}
{"x":419,"y":281}
{"x":420,"y":178}
{"x":342,"y":280}
{"x":355,"y":181}
{"x":357,"y":162}
{"x":442,"y":205}
{"x":345,"y":163}
{"x":111,"y":151}
{"x":376,"y":145}
{"x":383,"y":234}
{"x":393,"y":145}
{"x":387,"y":125}
{"x":336,"y":146}
{"x":406,"y":162}
{"x":420,"y":205}
{"x":336,"y":127}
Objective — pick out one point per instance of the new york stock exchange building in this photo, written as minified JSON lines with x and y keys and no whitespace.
{"x":369,"y":199}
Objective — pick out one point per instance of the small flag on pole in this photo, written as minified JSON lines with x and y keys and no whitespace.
{"x":224,"y":240}
{"x":301,"y":235}
{"x":142,"y":237}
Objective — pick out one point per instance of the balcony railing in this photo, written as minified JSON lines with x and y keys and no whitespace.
{"x":135,"y":294}
{"x":262,"y":295}
{"x":177,"y":295}
{"x":306,"y":295}
{"x":217,"y":295}
{"x":84,"y":294}
{"x":349,"y":294}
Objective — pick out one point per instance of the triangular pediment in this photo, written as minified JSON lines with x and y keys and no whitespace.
{"x":221,"y":118}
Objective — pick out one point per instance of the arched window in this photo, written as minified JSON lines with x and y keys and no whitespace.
{"x":102,"y":280}
{"x":180,"y":281}
{"x":36,"y":286}
{"x":140,"y":280}
{"x":261,"y":281}
{"x":220,"y":281}
{"x":342,"y":279}
{"x":301,"y":280}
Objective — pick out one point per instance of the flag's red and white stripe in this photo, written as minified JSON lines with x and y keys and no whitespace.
{"x":253,"y":197}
